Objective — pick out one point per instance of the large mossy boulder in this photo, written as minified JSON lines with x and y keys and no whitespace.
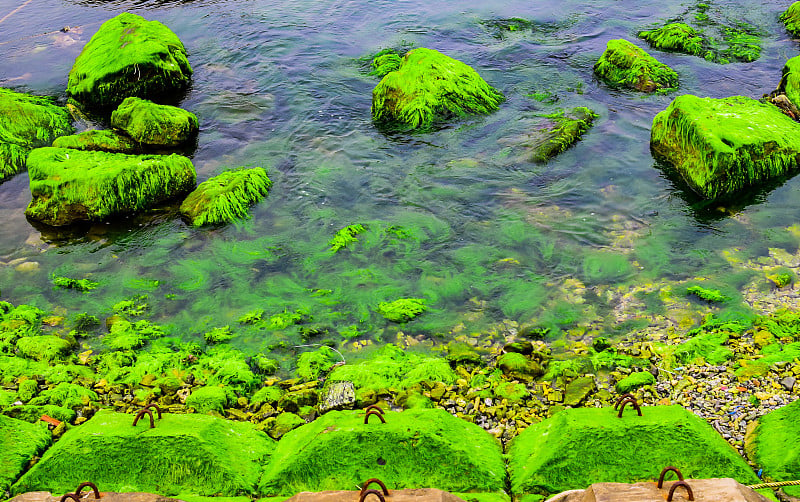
{"x":565,"y":128}
{"x":418,"y":448}
{"x":791,"y":18}
{"x":774,"y":445}
{"x":19,"y":443}
{"x":104,"y":140}
{"x":677,"y":37}
{"x":129,"y":56}
{"x":197,"y":454}
{"x":153,"y":124}
{"x":428,"y":87}
{"x":27,"y":122}
{"x":720,"y":146}
{"x":790,"y":82}
{"x":226,"y":197}
{"x":69,"y":186}
{"x":581,"y":446}
{"x":626,"y":65}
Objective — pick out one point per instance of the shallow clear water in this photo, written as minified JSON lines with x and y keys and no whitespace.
{"x":493,"y":236}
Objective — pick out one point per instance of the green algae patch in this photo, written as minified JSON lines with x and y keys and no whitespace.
{"x":207,"y":399}
{"x":346,"y":236}
{"x":103,"y":140}
{"x":19,"y":443}
{"x":196,"y":453}
{"x":27,"y":122}
{"x":226,"y":197}
{"x":581,"y":446}
{"x":125,"y":335}
{"x":625,"y":65}
{"x":677,"y":37}
{"x":774,"y":444}
{"x":709,"y":295}
{"x":77,"y":284}
{"x":564,"y":130}
{"x":634,"y":381}
{"x":69,"y":186}
{"x":385,"y":63}
{"x":430,"y":87}
{"x":419,"y":448}
{"x":402,"y":310}
{"x":791,"y":18}
{"x":45,"y":348}
{"x":129,"y":56}
{"x":790,"y":81}
{"x":153,"y":124}
{"x":66,"y":395}
{"x":720,"y":146}
{"x":33,"y":413}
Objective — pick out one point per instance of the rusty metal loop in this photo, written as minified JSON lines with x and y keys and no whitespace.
{"x":70,"y":496}
{"x":664,"y":473}
{"x":364,"y":495}
{"x":141,"y":414}
{"x":373,"y":412}
{"x":626,"y":401}
{"x":622,"y":398}
{"x":157,"y":408}
{"x":369,"y":482}
{"x":676,"y":485}
{"x":88,"y":484}
{"x":374,"y":407}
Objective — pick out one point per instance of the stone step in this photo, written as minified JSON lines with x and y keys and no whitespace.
{"x":709,"y":490}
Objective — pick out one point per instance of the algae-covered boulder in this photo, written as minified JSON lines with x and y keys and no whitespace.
{"x":791,"y":18}
{"x":581,"y":446}
{"x":774,"y":445}
{"x":27,"y":122}
{"x":44,"y":348}
{"x":678,"y":37}
{"x":103,"y":140}
{"x":129,"y":56}
{"x":68,"y":186}
{"x":19,"y":443}
{"x":226,"y":197}
{"x":790,"y":82}
{"x":197,"y":454}
{"x":565,"y":129}
{"x":429,"y":87}
{"x":624,"y":64}
{"x":720,"y":146}
{"x":152,"y":124}
{"x":418,"y":448}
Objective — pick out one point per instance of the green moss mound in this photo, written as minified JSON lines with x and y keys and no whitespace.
{"x":44,"y":348}
{"x":678,"y":37}
{"x":623,"y":64}
{"x":385,"y":63}
{"x":634,"y":381}
{"x":195,"y":453}
{"x":19,"y":443}
{"x":226,"y":197}
{"x":429,"y":87}
{"x":209,"y":398}
{"x":402,"y":310}
{"x":566,"y":129}
{"x":129,"y":56}
{"x":103,"y":140}
{"x":345,"y":236}
{"x":73,"y":185}
{"x":720,"y":146}
{"x":418,"y":448}
{"x":77,"y":284}
{"x":152,"y":124}
{"x":27,"y":122}
{"x":709,"y":295}
{"x":791,"y":18}
{"x":774,"y":444}
{"x":790,"y":80}
{"x":66,"y":395}
{"x":581,"y":446}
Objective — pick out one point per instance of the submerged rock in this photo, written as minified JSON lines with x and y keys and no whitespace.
{"x":790,"y":88}
{"x":129,"y":56}
{"x":626,"y":65}
{"x":678,"y":37}
{"x":428,"y":87}
{"x":98,"y":140}
{"x":152,"y":124}
{"x":27,"y":122}
{"x":720,"y":146}
{"x":226,"y":197}
{"x":19,"y":443}
{"x":566,"y":129}
{"x":774,"y":445}
{"x":69,"y":186}
{"x":791,"y":18}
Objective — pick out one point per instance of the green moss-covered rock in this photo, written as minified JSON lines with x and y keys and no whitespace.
{"x":209,"y":398}
{"x":402,"y":310}
{"x":44,"y":348}
{"x":720,"y":146}
{"x":790,"y":81}
{"x":125,"y":335}
{"x":634,"y":381}
{"x":27,"y":390}
{"x":624,"y":64}
{"x":19,"y":443}
{"x":578,"y":390}
{"x":678,"y":37}
{"x":385,"y":63}
{"x":104,"y":140}
{"x":77,"y":284}
{"x":192,"y":453}
{"x":419,"y":448}
{"x":428,"y":87}
{"x":284,"y":423}
{"x":791,"y":18}
{"x":517,"y":366}
{"x":774,"y":444}
{"x":709,"y":295}
{"x":565,"y":130}
{"x":581,"y":446}
{"x":152,"y":124}
{"x":226,"y":197}
{"x":65,"y":395}
{"x":33,"y":413}
{"x":68,"y":186}
{"x":129,"y":56}
{"x":27,"y":122}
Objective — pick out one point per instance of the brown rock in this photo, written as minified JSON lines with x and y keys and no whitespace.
{"x":704,"y":490}
{"x":88,"y":496}
{"x":416,"y":495}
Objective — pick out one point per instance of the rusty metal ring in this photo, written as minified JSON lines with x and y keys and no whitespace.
{"x":141,"y":414}
{"x":369,"y":482}
{"x":664,"y":473}
{"x":88,"y":484}
{"x":364,"y":495}
{"x":676,"y":485}
{"x":622,"y":398}
{"x":373,"y":412}
{"x":154,"y":405}
{"x":633,"y":403}
{"x":374,"y":407}
{"x":70,"y":496}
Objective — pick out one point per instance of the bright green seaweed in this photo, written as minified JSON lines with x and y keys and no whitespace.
{"x":153,"y":124}
{"x":774,"y":445}
{"x":678,"y":37}
{"x":226,"y":197}
{"x":104,"y":140}
{"x":19,"y":443}
{"x":791,"y":18}
{"x":626,"y":65}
